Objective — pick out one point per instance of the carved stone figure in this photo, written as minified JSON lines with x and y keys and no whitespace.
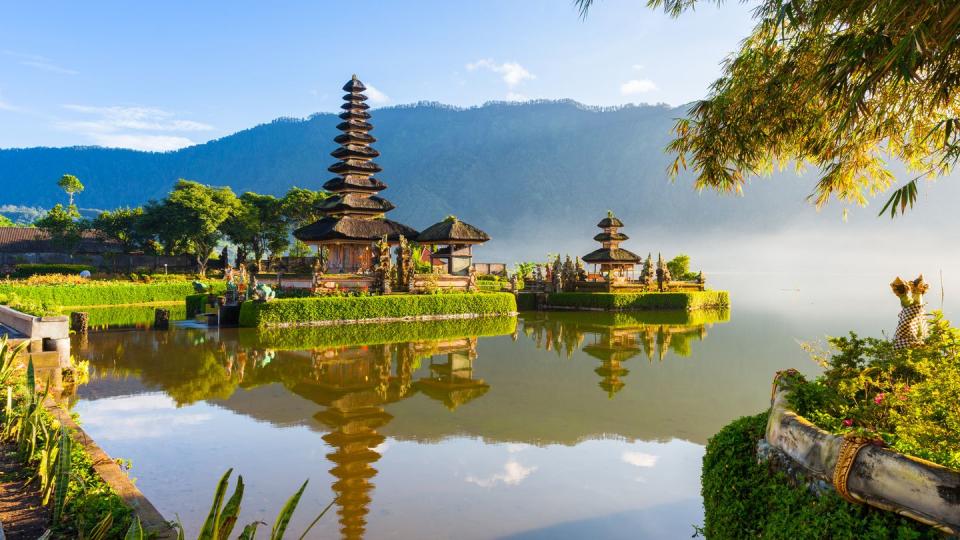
{"x":912,"y":321}
{"x":647,"y":273}
{"x":382,"y":266}
{"x":663,"y":273}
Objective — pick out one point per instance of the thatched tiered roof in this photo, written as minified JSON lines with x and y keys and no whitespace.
{"x":452,"y":231}
{"x":354,"y":212}
{"x":611,"y":253}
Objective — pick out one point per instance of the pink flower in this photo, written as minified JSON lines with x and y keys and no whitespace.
{"x":848,"y":422}
{"x":878,"y":399}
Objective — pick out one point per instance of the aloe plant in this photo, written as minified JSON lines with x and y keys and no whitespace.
{"x":62,"y":481}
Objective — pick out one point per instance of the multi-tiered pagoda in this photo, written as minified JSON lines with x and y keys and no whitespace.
{"x":355,"y":214}
{"x":612,"y":259}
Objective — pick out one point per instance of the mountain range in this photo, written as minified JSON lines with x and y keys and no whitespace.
{"x":510,"y":168}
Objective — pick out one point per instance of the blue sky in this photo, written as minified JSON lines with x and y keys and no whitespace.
{"x":159,"y":76}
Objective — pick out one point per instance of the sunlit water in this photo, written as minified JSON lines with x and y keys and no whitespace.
{"x":564,"y":426}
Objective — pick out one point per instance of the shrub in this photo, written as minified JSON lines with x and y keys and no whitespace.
{"x":906,"y":397}
{"x":307,"y":310}
{"x":129,"y":316}
{"x":27,"y":270}
{"x":689,"y":300}
{"x":99,"y":293}
{"x":744,"y":499}
{"x":27,"y":305}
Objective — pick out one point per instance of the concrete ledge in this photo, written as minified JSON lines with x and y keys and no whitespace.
{"x":150,"y":518}
{"x":879,"y":477}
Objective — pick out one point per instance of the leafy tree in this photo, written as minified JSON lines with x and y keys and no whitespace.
{"x":302,"y":206}
{"x":70,"y":184}
{"x":837,"y":84}
{"x":300,"y":249}
{"x":679,"y":266}
{"x":5,"y":221}
{"x":65,"y":227}
{"x":125,"y":225}
{"x":193,"y":216}
{"x":258,"y":225}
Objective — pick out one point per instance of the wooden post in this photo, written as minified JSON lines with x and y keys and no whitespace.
{"x":161,"y":319}
{"x":80,"y":322}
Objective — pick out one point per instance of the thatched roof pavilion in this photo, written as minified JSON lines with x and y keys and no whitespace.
{"x":611,"y":257}
{"x":458,"y":238}
{"x":355,"y":215}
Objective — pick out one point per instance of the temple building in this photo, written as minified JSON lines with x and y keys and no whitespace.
{"x":612,"y":260}
{"x":457,"y":239}
{"x":355,"y":216}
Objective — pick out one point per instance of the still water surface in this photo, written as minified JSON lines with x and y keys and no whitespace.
{"x":550,"y":425}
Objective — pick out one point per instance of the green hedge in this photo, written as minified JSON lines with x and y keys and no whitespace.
{"x":743,"y":499}
{"x":689,"y":301}
{"x":627,"y":319}
{"x":308,"y":337}
{"x":336,"y":308}
{"x":128,"y":316}
{"x":100,"y":293}
{"x":27,"y":270}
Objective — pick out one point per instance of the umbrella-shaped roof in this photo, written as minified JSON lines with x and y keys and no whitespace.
{"x":452,"y":231}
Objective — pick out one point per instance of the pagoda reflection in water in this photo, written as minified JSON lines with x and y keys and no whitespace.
{"x":614,"y":338}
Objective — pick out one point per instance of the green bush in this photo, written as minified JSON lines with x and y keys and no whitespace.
{"x":27,"y":270}
{"x":307,"y":337}
{"x":27,"y":305}
{"x":99,"y":293}
{"x":743,"y":499}
{"x":307,"y":310}
{"x":906,"y":397}
{"x":689,"y":300}
{"x":128,"y":316}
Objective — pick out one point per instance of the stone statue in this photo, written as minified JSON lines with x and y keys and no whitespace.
{"x":232,"y":296}
{"x":262,"y":292}
{"x":382,"y":266}
{"x":556,"y":275}
{"x":663,"y":273}
{"x":647,"y":274}
{"x":513,"y":282}
{"x":569,"y":275}
{"x":912,"y":322}
{"x":472,"y":281}
{"x":404,"y":265}
{"x":580,"y":270}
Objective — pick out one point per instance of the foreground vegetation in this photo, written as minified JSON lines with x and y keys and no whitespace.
{"x":319,"y":309}
{"x":745,"y":499}
{"x":909,"y":398}
{"x":52,"y":292}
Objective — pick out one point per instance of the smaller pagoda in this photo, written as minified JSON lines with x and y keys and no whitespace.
{"x":457,"y":239}
{"x":611,"y":258}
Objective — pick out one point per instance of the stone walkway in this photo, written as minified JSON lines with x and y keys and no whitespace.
{"x":21,"y":514}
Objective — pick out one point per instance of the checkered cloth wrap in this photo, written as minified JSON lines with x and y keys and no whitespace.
{"x":911,"y":327}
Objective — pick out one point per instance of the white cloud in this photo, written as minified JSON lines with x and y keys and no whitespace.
{"x":639,"y":459}
{"x":139,"y":128}
{"x":511,"y":72}
{"x":513,"y":473}
{"x":147,"y":143}
{"x":637,"y":67}
{"x":637,"y":86}
{"x":139,"y":118}
{"x":376,"y":96}
{"x":39,"y":62}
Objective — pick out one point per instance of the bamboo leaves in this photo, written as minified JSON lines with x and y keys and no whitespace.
{"x":901,"y":199}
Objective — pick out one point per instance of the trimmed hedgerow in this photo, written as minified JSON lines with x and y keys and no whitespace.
{"x":340,"y":308}
{"x":100,"y":293}
{"x":129,"y":316}
{"x":689,"y":300}
{"x":30,"y":269}
{"x":744,"y":499}
{"x":307,"y":337}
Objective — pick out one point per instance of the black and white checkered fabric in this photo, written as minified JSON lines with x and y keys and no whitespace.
{"x":911,"y":327}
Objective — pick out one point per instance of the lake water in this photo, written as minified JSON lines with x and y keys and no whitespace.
{"x":553,"y":425}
